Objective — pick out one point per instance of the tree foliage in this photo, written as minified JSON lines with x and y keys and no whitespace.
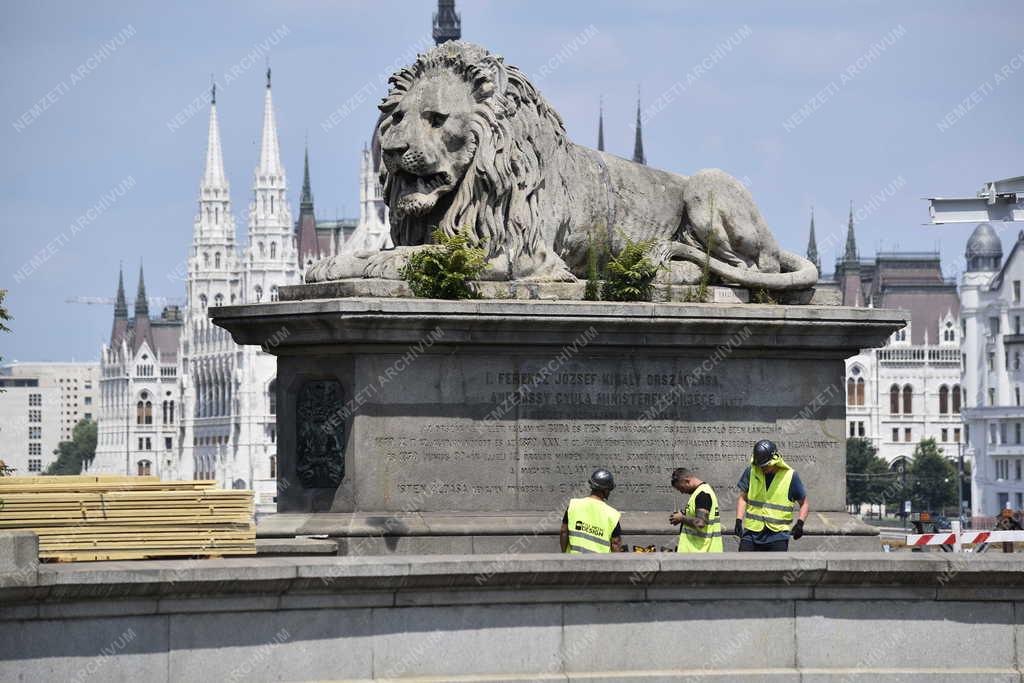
{"x":933,"y":476}
{"x":71,"y":455}
{"x":445,"y":269}
{"x":630,"y":275}
{"x":868,"y":477}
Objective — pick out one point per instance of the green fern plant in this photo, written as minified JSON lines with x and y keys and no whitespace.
{"x":630,"y":274}
{"x":446,"y":268}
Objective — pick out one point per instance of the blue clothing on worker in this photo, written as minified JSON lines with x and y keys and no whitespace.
{"x":797,"y":493}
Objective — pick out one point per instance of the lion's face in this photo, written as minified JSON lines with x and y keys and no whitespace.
{"x":427,"y":143}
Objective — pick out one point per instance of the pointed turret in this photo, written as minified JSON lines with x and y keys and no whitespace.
{"x":213,"y":176}
{"x":141,"y":304}
{"x":447,"y":22}
{"x":270,"y":153}
{"x":848,"y":269}
{"x":213,"y":234}
{"x":141,"y":331}
{"x":812,"y":246}
{"x":120,"y":326}
{"x":306,"y":200}
{"x":638,"y":143}
{"x":600,"y":126}
{"x":272,"y":257}
{"x":120,"y":305}
{"x":309,"y":246}
{"x":851,"y":242}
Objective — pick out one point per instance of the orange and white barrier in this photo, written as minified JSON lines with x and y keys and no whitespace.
{"x":956,"y":537}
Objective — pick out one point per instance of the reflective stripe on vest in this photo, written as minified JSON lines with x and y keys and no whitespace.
{"x":591,"y":523}
{"x":769,"y":507}
{"x":708,"y":539}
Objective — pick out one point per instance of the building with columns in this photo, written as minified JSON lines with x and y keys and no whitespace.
{"x":993,"y":344}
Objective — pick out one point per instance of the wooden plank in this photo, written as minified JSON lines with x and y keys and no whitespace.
{"x":117,"y":517}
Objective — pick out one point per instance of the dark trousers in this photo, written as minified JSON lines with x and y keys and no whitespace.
{"x":748,"y":546}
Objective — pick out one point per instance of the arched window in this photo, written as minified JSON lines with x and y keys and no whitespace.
{"x":273,"y":293}
{"x":273,"y":246}
{"x":273,"y":467}
{"x":216,"y":214}
{"x":202,"y":301}
{"x":271,"y":205}
{"x":894,"y":400}
{"x":218,"y":300}
{"x":956,"y":399}
{"x":216,"y":260}
{"x":943,"y":399}
{"x":860,"y":391}
{"x":140,"y":413}
{"x":272,"y":397}
{"x":144,"y":468}
{"x":263,"y":252}
{"x":851,"y":392}
{"x":259,"y":294}
{"x":206,"y":258}
{"x":149,"y":412}
{"x":908,"y":400}
{"x":232,"y":298}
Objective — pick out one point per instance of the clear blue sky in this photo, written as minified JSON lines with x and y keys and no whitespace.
{"x":875,"y":126}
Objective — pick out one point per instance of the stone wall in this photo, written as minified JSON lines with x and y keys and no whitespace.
{"x":792,"y":617}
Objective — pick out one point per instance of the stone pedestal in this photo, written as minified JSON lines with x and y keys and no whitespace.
{"x":445,"y":421}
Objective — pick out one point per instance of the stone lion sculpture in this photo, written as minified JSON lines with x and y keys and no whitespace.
{"x":468,"y":142}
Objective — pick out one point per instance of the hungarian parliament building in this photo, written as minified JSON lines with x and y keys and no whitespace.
{"x":178,"y":398}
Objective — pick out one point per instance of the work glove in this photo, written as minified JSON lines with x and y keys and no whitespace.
{"x":739,"y":528}
{"x":798,"y":529}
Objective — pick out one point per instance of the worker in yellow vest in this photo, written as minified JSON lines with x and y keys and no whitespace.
{"x":764,"y":512}
{"x":591,"y":525}
{"x":700,"y":530}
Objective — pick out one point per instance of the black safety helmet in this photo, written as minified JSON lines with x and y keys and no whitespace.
{"x":764,"y":451}
{"x":602,"y":480}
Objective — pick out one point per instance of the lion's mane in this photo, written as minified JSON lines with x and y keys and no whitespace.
{"x":516,"y":133}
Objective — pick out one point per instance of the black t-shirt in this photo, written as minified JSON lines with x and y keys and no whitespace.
{"x":616,"y":532}
{"x":704,"y":502}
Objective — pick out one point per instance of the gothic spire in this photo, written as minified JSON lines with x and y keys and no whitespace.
{"x":141,"y":304}
{"x":600,"y":126}
{"x":306,"y":201}
{"x":270,"y":152}
{"x":447,"y":22}
{"x":638,"y":144}
{"x":120,"y":305}
{"x":213,"y":176}
{"x":812,"y":246}
{"x":851,"y":242}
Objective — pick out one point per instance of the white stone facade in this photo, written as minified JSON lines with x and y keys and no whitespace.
{"x":40,"y":404}
{"x":992,"y":379}
{"x":904,"y":392}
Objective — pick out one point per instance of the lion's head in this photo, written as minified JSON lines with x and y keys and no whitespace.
{"x":464,"y":140}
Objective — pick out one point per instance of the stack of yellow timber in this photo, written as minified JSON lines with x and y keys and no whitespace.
{"x":127,"y":518}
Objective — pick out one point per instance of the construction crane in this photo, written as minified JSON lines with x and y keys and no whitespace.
{"x":154,"y":301}
{"x":998,"y":200}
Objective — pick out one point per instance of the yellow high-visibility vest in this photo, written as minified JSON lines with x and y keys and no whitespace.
{"x":708,"y":539}
{"x":591,"y":523}
{"x":769,"y":506}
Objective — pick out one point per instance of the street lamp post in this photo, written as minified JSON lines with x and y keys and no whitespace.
{"x":960,"y":481}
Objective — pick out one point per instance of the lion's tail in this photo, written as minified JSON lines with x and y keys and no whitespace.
{"x":797,"y":272}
